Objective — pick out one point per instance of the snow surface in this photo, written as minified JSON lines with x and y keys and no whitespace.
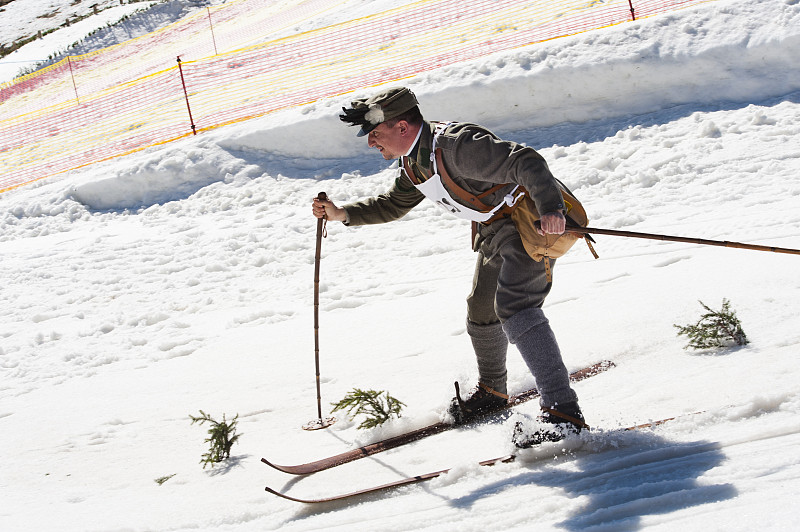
{"x":22,"y":19}
{"x":138,"y":291}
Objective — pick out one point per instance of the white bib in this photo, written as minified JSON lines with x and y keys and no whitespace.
{"x":434,"y":190}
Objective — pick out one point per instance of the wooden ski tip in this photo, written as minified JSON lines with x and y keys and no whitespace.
{"x":287,"y":497}
{"x":318,"y":424}
{"x":302,"y":469}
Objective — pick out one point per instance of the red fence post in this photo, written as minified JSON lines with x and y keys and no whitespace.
{"x":633,"y":15}
{"x":186,"y":95}
{"x":74,"y":85}
{"x":213,"y":39}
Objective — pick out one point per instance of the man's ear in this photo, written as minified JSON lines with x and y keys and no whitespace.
{"x":403,"y":126}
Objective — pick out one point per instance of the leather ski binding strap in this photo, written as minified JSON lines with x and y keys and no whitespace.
{"x":566,"y":417}
{"x":492,"y":391}
{"x":485,"y":388}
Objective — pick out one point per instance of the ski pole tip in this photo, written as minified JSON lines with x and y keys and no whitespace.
{"x":320,"y":423}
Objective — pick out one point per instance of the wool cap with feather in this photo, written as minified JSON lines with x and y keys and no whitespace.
{"x":371,"y":112}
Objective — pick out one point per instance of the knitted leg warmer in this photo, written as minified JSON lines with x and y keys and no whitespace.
{"x":491,"y":345}
{"x":530,"y":331}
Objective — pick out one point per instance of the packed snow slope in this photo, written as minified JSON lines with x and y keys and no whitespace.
{"x":139,"y":291}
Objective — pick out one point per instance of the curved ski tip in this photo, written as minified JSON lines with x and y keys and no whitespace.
{"x":303,"y":469}
{"x":274,"y":466}
{"x":284,"y":496}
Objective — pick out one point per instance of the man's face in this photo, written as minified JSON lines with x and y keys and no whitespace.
{"x":391,"y":141}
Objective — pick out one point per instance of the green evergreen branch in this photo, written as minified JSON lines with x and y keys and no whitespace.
{"x":714,"y":329}
{"x":222,"y":436}
{"x":377,"y":406}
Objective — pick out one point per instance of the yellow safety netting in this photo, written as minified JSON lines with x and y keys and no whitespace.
{"x":248,"y":58}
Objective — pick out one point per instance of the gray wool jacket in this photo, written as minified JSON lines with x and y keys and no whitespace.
{"x":476,"y":160}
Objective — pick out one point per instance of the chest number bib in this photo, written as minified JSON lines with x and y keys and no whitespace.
{"x":434,"y":189}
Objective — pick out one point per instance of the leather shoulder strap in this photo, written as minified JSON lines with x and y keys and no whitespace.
{"x":463,"y":195}
{"x":410,"y":172}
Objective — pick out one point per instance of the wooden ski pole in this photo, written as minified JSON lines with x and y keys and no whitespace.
{"x":705,"y":242}
{"x":318,"y":423}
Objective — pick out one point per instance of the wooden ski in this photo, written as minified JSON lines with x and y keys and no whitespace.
{"x":436,"y":428}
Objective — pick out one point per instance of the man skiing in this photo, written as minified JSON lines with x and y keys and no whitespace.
{"x":477,"y":176}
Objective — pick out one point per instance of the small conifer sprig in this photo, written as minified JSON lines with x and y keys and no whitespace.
{"x":377,"y":406}
{"x":714,"y":329}
{"x":222,"y":436}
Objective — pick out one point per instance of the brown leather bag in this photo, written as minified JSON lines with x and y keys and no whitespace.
{"x":523,"y":214}
{"x":539,"y":246}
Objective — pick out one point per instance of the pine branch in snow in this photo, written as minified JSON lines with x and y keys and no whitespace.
{"x":377,"y":406}
{"x":714,"y":329}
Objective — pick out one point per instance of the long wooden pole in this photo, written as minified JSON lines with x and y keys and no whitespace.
{"x":317,"y":257}
{"x":319,"y":423}
{"x":689,"y":240}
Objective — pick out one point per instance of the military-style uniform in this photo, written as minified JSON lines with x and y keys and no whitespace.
{"x":509,"y":287}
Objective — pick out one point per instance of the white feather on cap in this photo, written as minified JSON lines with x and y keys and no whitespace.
{"x":375,"y":114}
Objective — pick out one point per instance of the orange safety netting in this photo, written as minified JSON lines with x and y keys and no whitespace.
{"x":131,"y":96}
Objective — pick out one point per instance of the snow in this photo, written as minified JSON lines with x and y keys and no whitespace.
{"x":23,"y":19}
{"x":138,"y":291}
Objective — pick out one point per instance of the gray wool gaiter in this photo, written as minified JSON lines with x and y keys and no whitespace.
{"x":530,"y":331}
{"x":491,"y":345}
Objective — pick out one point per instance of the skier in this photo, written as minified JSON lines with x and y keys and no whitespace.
{"x":509,"y":287}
